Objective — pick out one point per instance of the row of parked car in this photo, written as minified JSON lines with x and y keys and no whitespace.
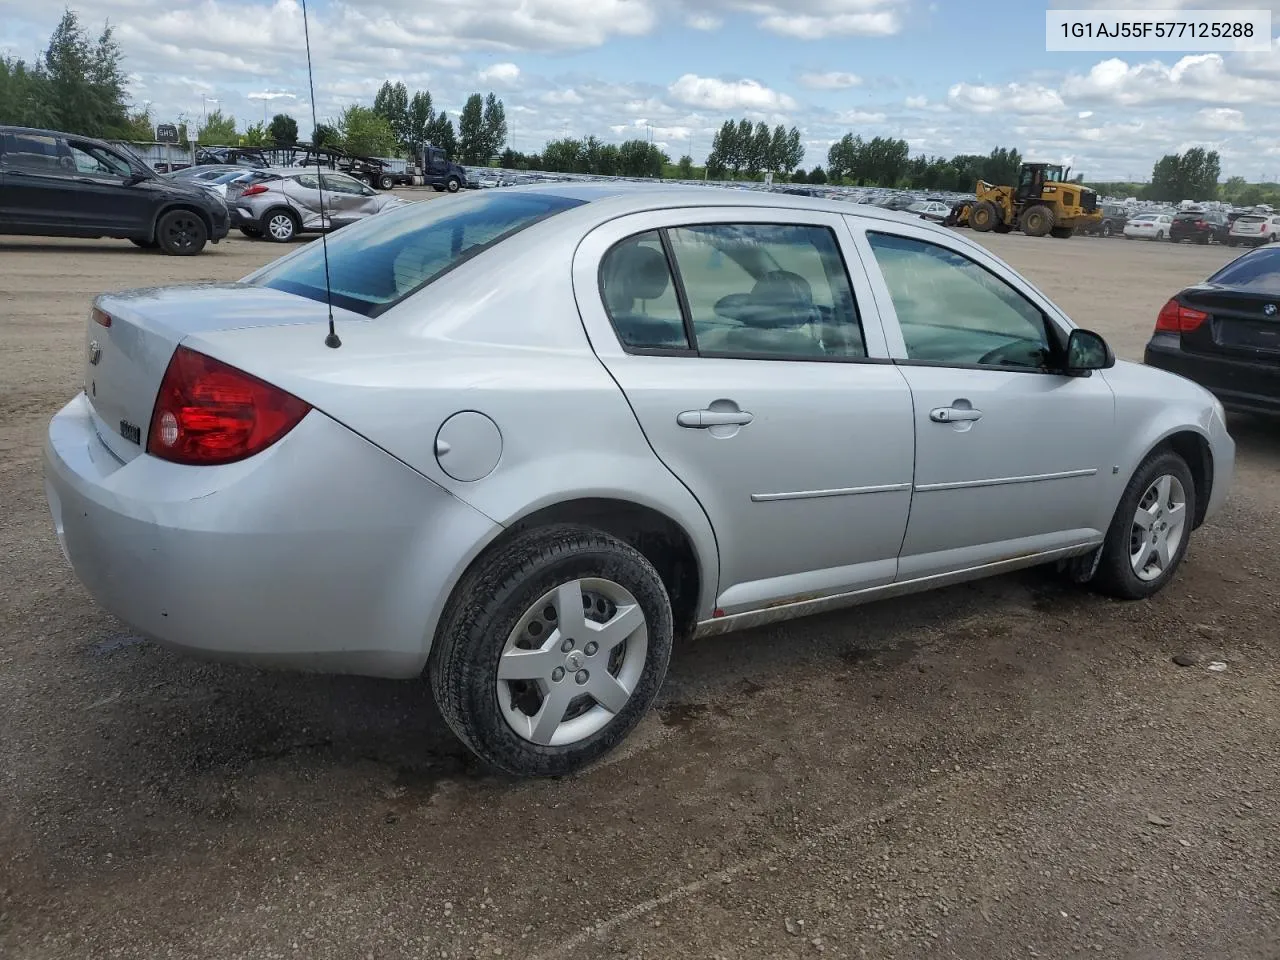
{"x":1233,"y":228}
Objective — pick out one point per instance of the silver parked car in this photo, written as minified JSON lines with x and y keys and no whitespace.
{"x":569,"y":425}
{"x":282,"y":202}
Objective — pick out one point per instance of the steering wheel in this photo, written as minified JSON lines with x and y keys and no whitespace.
{"x":1016,"y":353}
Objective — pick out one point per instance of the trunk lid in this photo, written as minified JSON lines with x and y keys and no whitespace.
{"x":1241,"y":323}
{"x":125,"y":362}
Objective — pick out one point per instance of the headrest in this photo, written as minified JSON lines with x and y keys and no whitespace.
{"x":781,"y":299}
{"x":639,"y":273}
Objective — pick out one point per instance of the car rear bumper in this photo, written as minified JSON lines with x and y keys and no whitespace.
{"x":1239,"y":384}
{"x":321,"y":553}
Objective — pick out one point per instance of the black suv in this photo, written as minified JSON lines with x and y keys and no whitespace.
{"x":1114,"y":217}
{"x":1200,"y":226}
{"x":60,"y":185}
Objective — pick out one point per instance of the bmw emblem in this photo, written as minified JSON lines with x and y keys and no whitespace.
{"x":1269,"y":309}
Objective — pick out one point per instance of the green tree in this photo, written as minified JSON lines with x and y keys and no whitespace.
{"x":256,"y":135}
{"x":800,"y":176}
{"x":365,"y":132}
{"x":283,"y":130}
{"x":563,"y":156}
{"x":217,"y":130}
{"x":1233,"y":188}
{"x":493,"y":127}
{"x":471,"y":145}
{"x":139,"y":127}
{"x":640,"y":158}
{"x":817,"y":175}
{"x":420,"y":114}
{"x":392,"y":103}
{"x":326,"y":136}
{"x":684,"y":169}
{"x":1188,"y":176}
{"x":440,"y":133}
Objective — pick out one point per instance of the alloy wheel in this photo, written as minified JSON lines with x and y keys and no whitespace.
{"x":183,"y":232}
{"x":281,"y":226}
{"x":1159,"y":524}
{"x":572,"y":662}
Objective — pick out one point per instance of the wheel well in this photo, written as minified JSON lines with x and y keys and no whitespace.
{"x":661,"y":540}
{"x":164,"y":211}
{"x":281,"y":208}
{"x":1194,"y":449}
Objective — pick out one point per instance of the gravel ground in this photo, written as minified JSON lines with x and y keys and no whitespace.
{"x":1011,"y":769}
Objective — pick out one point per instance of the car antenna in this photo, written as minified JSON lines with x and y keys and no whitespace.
{"x":332,"y":339}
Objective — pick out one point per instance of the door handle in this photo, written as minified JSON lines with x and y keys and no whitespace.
{"x":713,"y":418}
{"x":953,"y":414}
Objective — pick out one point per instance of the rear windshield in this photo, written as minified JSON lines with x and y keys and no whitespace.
{"x":376,"y":263}
{"x":1190,"y":216}
{"x":1250,"y":219}
{"x":1259,"y":270}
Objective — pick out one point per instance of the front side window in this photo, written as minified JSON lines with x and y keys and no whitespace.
{"x":338,"y":183}
{"x":95,"y":162}
{"x":953,"y":311}
{"x":375,"y":264}
{"x":767,"y":290}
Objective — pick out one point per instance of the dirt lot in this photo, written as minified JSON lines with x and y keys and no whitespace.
{"x":1011,"y":769}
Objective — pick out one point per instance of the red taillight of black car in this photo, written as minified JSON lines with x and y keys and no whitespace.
{"x":1176,"y":318}
{"x":208,"y":412}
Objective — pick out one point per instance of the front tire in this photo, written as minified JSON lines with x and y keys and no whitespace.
{"x":1036,"y":221}
{"x":1150,"y":529}
{"x":453,"y":184}
{"x":983,"y":216}
{"x":181,"y":233}
{"x":552,"y":650}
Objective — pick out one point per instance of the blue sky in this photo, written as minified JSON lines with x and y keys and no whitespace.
{"x":947,"y":76}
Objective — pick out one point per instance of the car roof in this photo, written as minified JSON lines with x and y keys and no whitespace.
{"x":621,"y":197}
{"x":44,"y":132}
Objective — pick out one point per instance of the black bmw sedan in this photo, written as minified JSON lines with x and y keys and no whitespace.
{"x":1224,"y":333}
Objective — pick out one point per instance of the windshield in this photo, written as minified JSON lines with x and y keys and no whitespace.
{"x":375,"y":264}
{"x":1259,"y":270}
{"x":1053,"y":173}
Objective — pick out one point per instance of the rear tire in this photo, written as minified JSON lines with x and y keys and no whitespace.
{"x":1159,"y":234}
{"x":386,"y":183}
{"x":181,"y":233}
{"x":1106,"y":229}
{"x":1036,"y":221}
{"x":252,"y":233}
{"x":506,"y":615}
{"x":1129,"y":546}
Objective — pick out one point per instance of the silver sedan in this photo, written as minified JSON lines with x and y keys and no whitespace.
{"x":281,"y":203}
{"x":550,"y":431}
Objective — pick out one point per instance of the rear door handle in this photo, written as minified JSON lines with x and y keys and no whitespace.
{"x":696,"y":419}
{"x":953,"y":414}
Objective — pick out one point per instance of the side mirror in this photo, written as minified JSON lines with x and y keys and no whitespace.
{"x":133,"y":179}
{"x":1087,"y":351}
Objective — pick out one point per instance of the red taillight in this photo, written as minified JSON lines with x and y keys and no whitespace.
{"x":101,"y":316}
{"x":1175,"y":318}
{"x":208,"y":412}
{"x":254,"y":190}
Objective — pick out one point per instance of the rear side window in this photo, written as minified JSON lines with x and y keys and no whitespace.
{"x":378,"y":262}
{"x":640,"y":296}
{"x":35,"y":153}
{"x":1259,"y":270}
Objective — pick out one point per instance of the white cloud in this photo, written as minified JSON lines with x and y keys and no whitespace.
{"x":1223,"y":119}
{"x":831,"y":80}
{"x":1008,"y":98}
{"x":916,"y":103}
{"x":728,"y":95}
{"x":1203,"y":77}
{"x":856,"y":117}
{"x":703,"y":21}
{"x":818,"y":19}
{"x":1084,"y":114}
{"x":500,"y":73}
{"x":561,"y":97}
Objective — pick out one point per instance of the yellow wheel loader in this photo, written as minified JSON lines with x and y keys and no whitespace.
{"x":1043,"y":202}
